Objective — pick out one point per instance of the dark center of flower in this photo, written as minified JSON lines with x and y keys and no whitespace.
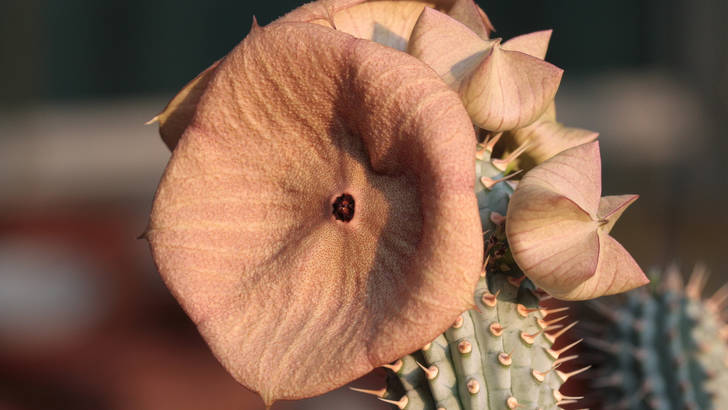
{"x":344,"y":208}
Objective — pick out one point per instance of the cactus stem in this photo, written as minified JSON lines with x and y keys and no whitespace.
{"x":490,"y":182}
{"x":546,"y":312}
{"x":430,"y":372}
{"x":512,"y":403}
{"x":473,"y":386}
{"x":379,"y":393}
{"x":496,"y":329}
{"x":552,"y":337}
{"x":566,"y":376}
{"x":395,"y":367}
{"x":401,"y":403}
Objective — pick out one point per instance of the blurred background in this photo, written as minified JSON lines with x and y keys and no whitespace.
{"x":85,"y":321}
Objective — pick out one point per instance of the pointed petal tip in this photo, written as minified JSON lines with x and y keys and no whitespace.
{"x":447,"y":45}
{"x":535,"y":44}
{"x":499,"y":93}
{"x":611,"y":209}
{"x":254,"y":25}
{"x":471,"y":15}
{"x":617,"y":272}
{"x":153,"y":120}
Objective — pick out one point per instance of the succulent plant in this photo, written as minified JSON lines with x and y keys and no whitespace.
{"x":663,"y":347}
{"x":499,"y":355}
{"x":325,"y":207}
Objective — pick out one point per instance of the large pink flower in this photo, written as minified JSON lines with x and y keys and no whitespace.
{"x":317,"y":217}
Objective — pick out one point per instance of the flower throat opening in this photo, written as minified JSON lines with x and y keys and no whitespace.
{"x":344,"y":208}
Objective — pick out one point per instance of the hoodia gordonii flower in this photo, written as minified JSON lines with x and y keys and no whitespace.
{"x":558,"y":228}
{"x":317,"y":218}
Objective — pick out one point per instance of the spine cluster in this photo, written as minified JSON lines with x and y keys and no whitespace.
{"x":499,"y":355}
{"x":659,"y":348}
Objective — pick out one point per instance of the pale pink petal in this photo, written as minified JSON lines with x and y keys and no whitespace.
{"x":472,"y":16}
{"x":546,"y":138}
{"x":509,"y":90}
{"x":535,"y":44}
{"x":552,"y":239}
{"x":292,"y":301}
{"x":385,"y":22}
{"x":178,"y":113}
{"x":575,"y":174}
{"x":388,"y":22}
{"x":448,"y":46}
{"x":617,"y":272}
{"x":550,"y":112}
{"x":320,"y":12}
{"x":611,"y":208}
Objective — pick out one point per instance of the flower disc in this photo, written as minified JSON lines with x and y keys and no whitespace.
{"x":317,"y":217}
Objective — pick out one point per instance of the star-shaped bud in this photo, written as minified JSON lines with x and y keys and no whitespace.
{"x":558,"y":229}
{"x":502,"y":89}
{"x":545,"y":137}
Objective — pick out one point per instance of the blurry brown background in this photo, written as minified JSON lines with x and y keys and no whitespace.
{"x":85,"y":322}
